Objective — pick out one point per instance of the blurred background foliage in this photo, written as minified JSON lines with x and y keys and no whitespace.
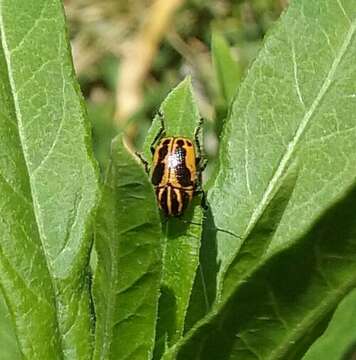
{"x":129,"y":54}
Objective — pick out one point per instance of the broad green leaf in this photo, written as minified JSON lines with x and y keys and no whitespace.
{"x":296,"y":103}
{"x":340,"y":335}
{"x":128,"y":270}
{"x":249,"y":256}
{"x":50,"y":181}
{"x":181,"y":238}
{"x":295,"y":106}
{"x":9,"y":348}
{"x":24,"y":276}
{"x":283,"y":307}
{"x":227,"y":69}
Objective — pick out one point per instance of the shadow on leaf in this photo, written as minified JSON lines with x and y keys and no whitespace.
{"x":280,"y":309}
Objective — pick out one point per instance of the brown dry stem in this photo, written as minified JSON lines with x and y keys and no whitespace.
{"x":137,"y":60}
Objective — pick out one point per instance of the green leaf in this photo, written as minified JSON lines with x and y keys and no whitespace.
{"x":181,"y":236}
{"x":227,"y":69}
{"x":249,"y":256}
{"x":9,"y":348}
{"x":128,"y":270}
{"x":48,"y":182}
{"x":340,"y":335}
{"x":296,"y":103}
{"x":180,"y":115}
{"x":295,"y":106}
{"x":247,"y":262}
{"x":24,"y":276}
{"x":283,"y":307}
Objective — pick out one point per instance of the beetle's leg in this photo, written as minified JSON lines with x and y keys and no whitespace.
{"x":201,"y":161}
{"x":199,"y":191}
{"x":203,"y":203}
{"x":202,"y":164}
{"x":196,"y":136}
{"x":198,"y":128}
{"x":161,"y":117}
{"x":143,"y":160}
{"x":157,"y":137}
{"x":159,"y":134}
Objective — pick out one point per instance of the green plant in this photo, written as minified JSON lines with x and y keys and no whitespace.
{"x":257,"y":276}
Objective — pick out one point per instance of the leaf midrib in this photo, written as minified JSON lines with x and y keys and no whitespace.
{"x":112,"y":300}
{"x":273,"y":183}
{"x":18,"y":114}
{"x":278,"y":174}
{"x":325,"y":307}
{"x":108,"y":331}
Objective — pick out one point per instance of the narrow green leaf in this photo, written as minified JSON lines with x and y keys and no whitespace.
{"x":227,"y":69}
{"x":128,"y":270}
{"x":181,"y":238}
{"x":340,"y":335}
{"x":181,"y":260}
{"x":9,"y":348}
{"x":50,"y":181}
{"x":296,"y":105}
{"x":248,"y":260}
{"x":199,"y":303}
{"x":180,"y":115}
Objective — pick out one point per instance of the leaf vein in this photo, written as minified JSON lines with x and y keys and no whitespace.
{"x":247,"y":176}
{"x":25,"y":151}
{"x":295,"y":71}
{"x":7,"y":264}
{"x":272,"y":184}
{"x":27,"y":202}
{"x":310,"y":319}
{"x":29,"y":31}
{"x":344,"y":11}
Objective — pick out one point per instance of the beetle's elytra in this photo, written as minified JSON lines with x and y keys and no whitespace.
{"x":174,"y":174}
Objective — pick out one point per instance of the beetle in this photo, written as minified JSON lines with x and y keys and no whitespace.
{"x":176,"y":170}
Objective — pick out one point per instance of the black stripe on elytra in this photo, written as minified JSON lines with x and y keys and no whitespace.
{"x":183,"y":174}
{"x":163,"y":151}
{"x":158,"y":171}
{"x":157,"y":174}
{"x":163,"y":201}
{"x":174,"y":202}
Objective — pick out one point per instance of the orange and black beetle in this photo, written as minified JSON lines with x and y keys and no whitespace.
{"x":176,"y":170}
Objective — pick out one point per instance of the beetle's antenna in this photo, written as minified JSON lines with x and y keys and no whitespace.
{"x":212,"y":228}
{"x":226,"y":232}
